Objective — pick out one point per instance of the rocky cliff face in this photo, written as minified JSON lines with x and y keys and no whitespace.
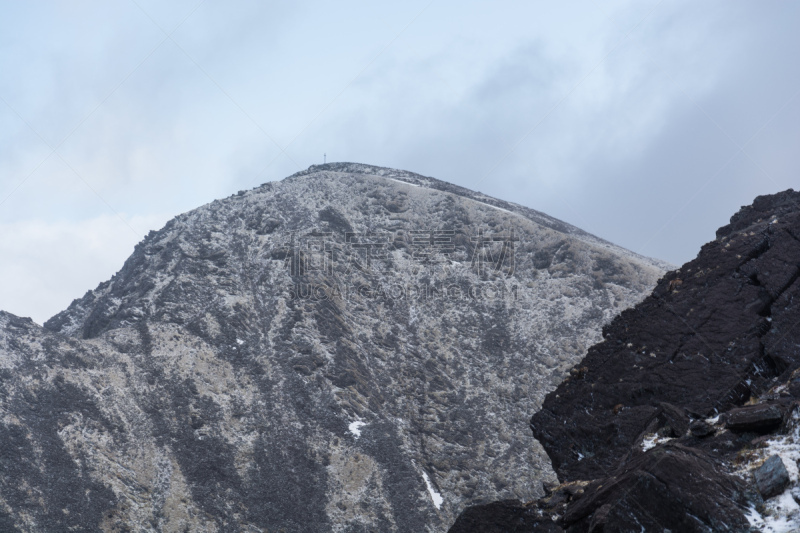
{"x":351,"y":349}
{"x":685,"y":417}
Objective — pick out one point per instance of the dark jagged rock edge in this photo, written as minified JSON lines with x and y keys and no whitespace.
{"x":718,"y":336}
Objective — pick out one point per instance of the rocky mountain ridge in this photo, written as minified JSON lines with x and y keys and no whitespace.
{"x":350,"y":349}
{"x":686,"y":417}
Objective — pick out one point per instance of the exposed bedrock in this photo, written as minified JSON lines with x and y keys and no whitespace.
{"x":685,"y":417}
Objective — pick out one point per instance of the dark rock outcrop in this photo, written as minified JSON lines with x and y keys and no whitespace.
{"x":670,"y":487}
{"x":504,"y":517}
{"x":715,"y":332}
{"x":701,"y":429}
{"x":677,"y":419}
{"x":762,"y":418}
{"x":771,"y":477}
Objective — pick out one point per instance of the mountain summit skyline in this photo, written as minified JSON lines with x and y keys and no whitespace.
{"x":352,"y":347}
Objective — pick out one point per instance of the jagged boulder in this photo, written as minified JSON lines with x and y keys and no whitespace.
{"x":713,"y":333}
{"x":756,"y":418}
{"x":771,"y":477}
{"x":670,"y":487}
{"x":654,"y":417}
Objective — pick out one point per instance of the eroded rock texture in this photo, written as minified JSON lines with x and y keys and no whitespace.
{"x":713,"y":333}
{"x":686,"y":417}
{"x":306,"y":356}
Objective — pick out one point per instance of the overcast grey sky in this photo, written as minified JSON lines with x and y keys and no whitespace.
{"x":646,"y":123}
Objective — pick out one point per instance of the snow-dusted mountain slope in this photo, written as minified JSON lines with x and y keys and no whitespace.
{"x":353,"y":348}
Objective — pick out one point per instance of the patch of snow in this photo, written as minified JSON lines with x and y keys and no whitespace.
{"x":239,"y":342}
{"x":651,"y":441}
{"x":781,"y":513}
{"x":712,"y":420}
{"x":403,"y":182}
{"x":435,"y":496}
{"x":781,"y":516}
{"x":787,"y":447}
{"x":355,"y":428}
{"x":498,"y":208}
{"x":755,"y":519}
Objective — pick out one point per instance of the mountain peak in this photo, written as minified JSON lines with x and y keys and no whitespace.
{"x":228,"y":362}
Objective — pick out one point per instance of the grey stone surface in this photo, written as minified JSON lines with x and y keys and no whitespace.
{"x":701,"y":429}
{"x":771,"y":477}
{"x":203,"y":389}
{"x":758,"y":418}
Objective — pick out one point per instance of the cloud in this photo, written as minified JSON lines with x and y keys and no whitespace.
{"x":54,"y":260}
{"x":620,"y":120}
